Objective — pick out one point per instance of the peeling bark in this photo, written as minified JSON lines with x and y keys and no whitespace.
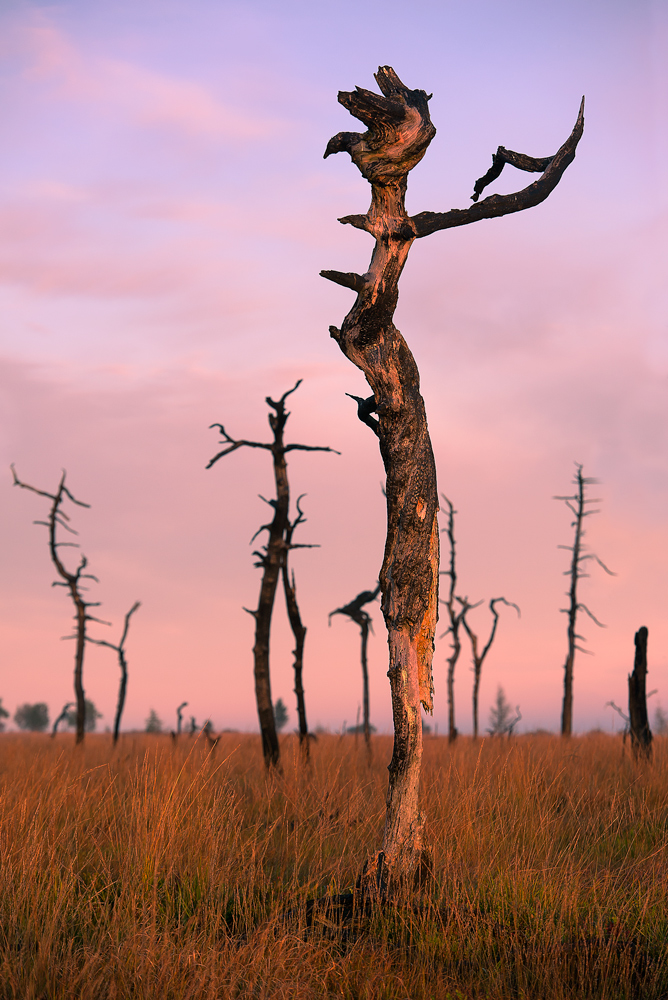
{"x":270,"y":559}
{"x":399,"y":131}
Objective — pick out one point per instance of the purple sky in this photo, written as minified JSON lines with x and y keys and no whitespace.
{"x":164,"y":213}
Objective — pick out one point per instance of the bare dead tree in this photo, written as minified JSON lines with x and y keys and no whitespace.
{"x":479,"y":657}
{"x":270,"y":560}
{"x":73,"y":582}
{"x":123,"y":664}
{"x":61,"y":718}
{"x":179,"y":717}
{"x":297,"y":626}
{"x":641,"y":734}
{"x":577,"y":504}
{"x":454,"y":618}
{"x":399,"y":131}
{"x":362,"y":618}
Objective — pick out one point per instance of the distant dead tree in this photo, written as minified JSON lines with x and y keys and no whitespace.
{"x":297,"y":626}
{"x":271,"y":559}
{"x":72,"y":581}
{"x":399,"y":131}
{"x":455,"y":619}
{"x":479,"y":657}
{"x":363,"y":619}
{"x":577,"y":504}
{"x":61,"y":718}
{"x":123,"y":664}
{"x":179,"y":717}
{"x":641,"y":734}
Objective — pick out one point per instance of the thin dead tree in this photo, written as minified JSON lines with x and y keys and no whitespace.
{"x":270,"y":559}
{"x":577,"y":504}
{"x":479,"y":657}
{"x":123,"y":664}
{"x":355,"y":612}
{"x":454,"y":618}
{"x":399,"y":131}
{"x":179,"y":717}
{"x":61,"y":718}
{"x":297,"y":626}
{"x":73,"y":582}
{"x":641,"y":734}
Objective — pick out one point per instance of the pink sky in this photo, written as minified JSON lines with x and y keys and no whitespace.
{"x":164,"y":213}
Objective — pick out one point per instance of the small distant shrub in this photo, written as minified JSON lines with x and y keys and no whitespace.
{"x":4,"y":714}
{"x":280,"y":715}
{"x":90,"y":717}
{"x":33,"y":718}
{"x":660,"y":721}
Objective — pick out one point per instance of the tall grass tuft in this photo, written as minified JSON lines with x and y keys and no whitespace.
{"x":170,"y":871}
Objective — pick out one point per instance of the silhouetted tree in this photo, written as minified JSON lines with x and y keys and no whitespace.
{"x":479,"y":657}
{"x":91,"y":717}
{"x":123,"y":664}
{"x":61,"y":718}
{"x":4,"y":714}
{"x":280,"y":715}
{"x":454,"y":618}
{"x":363,"y":619}
{"x":153,"y":722}
{"x":399,"y":131}
{"x":298,"y":628}
{"x":501,"y":719}
{"x":34,"y":718}
{"x":577,"y":504}
{"x":641,"y":734}
{"x":270,"y":559}
{"x":73,"y":582}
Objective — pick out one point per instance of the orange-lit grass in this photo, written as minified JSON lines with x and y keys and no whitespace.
{"x":155,"y":871}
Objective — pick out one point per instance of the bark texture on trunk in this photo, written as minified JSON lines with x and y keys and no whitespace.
{"x":271,"y":559}
{"x":399,"y":131}
{"x":641,"y":734}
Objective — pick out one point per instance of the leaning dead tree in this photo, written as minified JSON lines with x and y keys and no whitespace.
{"x":399,"y":131}
{"x":297,"y":626}
{"x":354,"y":611}
{"x":478,"y":656}
{"x":270,"y":559}
{"x":72,"y":581}
{"x":61,"y":718}
{"x":641,"y":734}
{"x":123,"y":664}
{"x":179,"y":717}
{"x":455,"y":616}
{"x":577,"y":504}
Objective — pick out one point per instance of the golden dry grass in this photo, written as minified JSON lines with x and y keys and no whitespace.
{"x":155,"y":871}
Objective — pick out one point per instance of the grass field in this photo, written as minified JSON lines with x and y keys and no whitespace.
{"x":155,"y":871}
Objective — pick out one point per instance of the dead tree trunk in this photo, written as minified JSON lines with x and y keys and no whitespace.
{"x":577,"y":504}
{"x":72,"y":581}
{"x":298,"y":631}
{"x":363,"y":619}
{"x":641,"y":734}
{"x":61,"y":718}
{"x":455,"y":619}
{"x":123,"y":664}
{"x":399,"y":131}
{"x":270,"y":559}
{"x":479,"y":658}
{"x":179,"y":717}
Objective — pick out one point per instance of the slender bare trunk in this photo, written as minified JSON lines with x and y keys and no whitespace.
{"x":364,"y":630}
{"x":567,"y":705}
{"x":641,"y":734}
{"x":299,"y":632}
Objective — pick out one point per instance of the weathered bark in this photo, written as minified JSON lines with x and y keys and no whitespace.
{"x":72,"y":581}
{"x":579,"y":556}
{"x":455,"y":619}
{"x":479,"y":658}
{"x":270,"y":559}
{"x":354,"y":611}
{"x":399,"y":132}
{"x":641,"y":734}
{"x":123,"y":664}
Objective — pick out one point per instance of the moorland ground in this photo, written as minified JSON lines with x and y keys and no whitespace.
{"x":156,"y":870}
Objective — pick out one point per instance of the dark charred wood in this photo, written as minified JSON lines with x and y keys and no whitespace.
{"x":354,"y":611}
{"x":641,"y":734}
